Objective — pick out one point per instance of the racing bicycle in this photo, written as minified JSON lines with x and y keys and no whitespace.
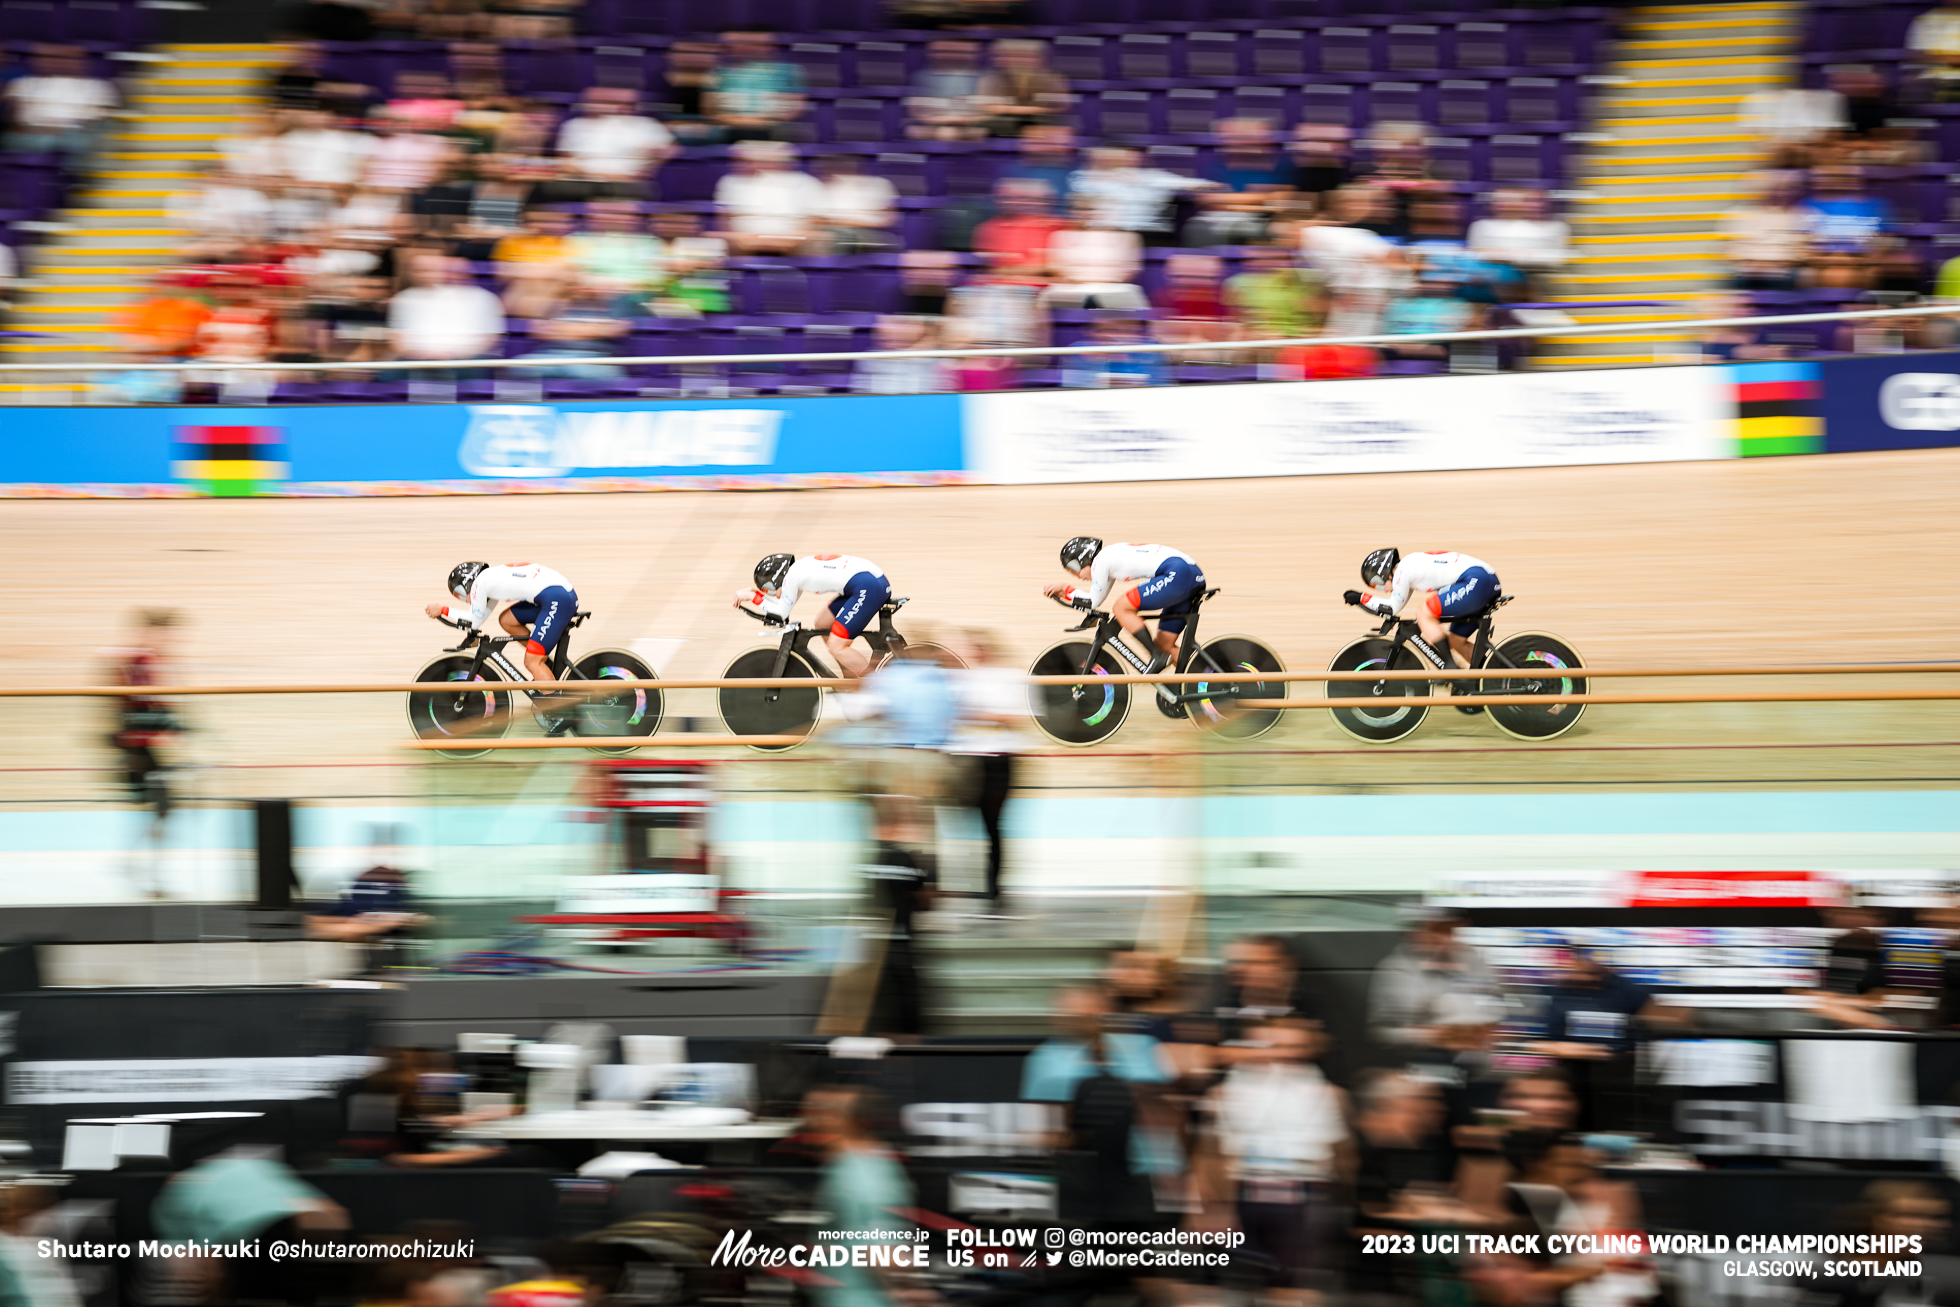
{"x":1089,"y":713}
{"x":793,"y":709}
{"x":471,"y":708}
{"x":1524,"y":665}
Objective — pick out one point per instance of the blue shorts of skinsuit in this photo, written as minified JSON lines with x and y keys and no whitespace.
{"x":854,"y":607}
{"x":1176,"y":583}
{"x":547,"y":616}
{"x":1472,"y":592}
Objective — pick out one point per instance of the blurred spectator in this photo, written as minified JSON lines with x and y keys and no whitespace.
{"x":1117,"y":193}
{"x":1769,"y":238}
{"x":1275,"y":298}
{"x":1867,"y":106}
{"x":351,"y":321}
{"x":1434,"y":998}
{"x":689,"y":75}
{"x":60,"y":107}
{"x":1843,"y":223}
{"x":1934,"y":42}
{"x":1252,"y":178}
{"x":1020,"y":91}
{"x":233,"y":1199}
{"x":1098,"y":1079}
{"x":1262,"y":980}
{"x":293,"y":85}
{"x":161,"y":327}
{"x":1282,"y":1141}
{"x":1144,"y":991}
{"x":991,"y":312}
{"x":1359,"y":267}
{"x":767,"y":206}
{"x":1095,"y":267}
{"x":754,"y":95}
{"x":1402,"y":1157}
{"x":1588,"y":1024}
{"x":693,"y":282}
{"x":1437,"y":244}
{"x":944,"y":103}
{"x":1322,"y":155}
{"x":925,"y":278}
{"x":611,"y":149}
{"x":1853,"y":980}
{"x":616,"y":255}
{"x":993,"y":718}
{"x":1193,"y":304}
{"x":1898,"y":1209}
{"x":494,"y":211}
{"x":579,"y":327}
{"x":375,"y":909}
{"x":863,"y":1188}
{"x":224,"y":216}
{"x":1540,"y":1100}
{"x":1103,"y":371}
{"x":892,"y":376}
{"x":1792,"y":119}
{"x":404,"y":159}
{"x":1047,"y":155}
{"x":443,"y":315}
{"x":1520,"y":237}
{"x":1433,"y":307}
{"x":535,"y":263}
{"x":1399,"y":172}
{"x":317,"y":151}
{"x":239,"y":330}
{"x":856,"y":213}
{"x":146,"y":723}
{"x":1015,"y":242}
{"x":255,"y":151}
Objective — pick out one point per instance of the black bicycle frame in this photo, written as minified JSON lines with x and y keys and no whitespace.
{"x":489,"y":648}
{"x":884,"y":639}
{"x":1482,"y":650}
{"x":1107,"y":628}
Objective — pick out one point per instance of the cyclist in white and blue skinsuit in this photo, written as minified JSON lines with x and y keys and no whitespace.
{"x":1459,"y":587}
{"x":860,"y":585}
{"x":1165,"y":579}
{"x":542,"y":604}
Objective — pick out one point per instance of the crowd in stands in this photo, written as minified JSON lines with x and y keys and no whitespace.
{"x":442,"y":217}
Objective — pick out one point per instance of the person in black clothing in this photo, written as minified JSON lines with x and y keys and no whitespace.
{"x":1262,"y":981}
{"x":1589,"y":1026}
{"x":901,"y":885}
{"x":144,"y":725}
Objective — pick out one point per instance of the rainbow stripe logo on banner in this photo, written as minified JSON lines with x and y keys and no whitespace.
{"x":1778,"y":409}
{"x":230,"y":461}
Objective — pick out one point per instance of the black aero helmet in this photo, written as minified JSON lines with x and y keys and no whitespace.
{"x":1378,"y":568}
{"x":769,"y":573}
{"x":1080,"y":552}
{"x":463,"y":576}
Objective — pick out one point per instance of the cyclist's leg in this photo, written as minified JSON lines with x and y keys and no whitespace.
{"x":1462,"y":603}
{"x":1170,"y":591}
{"x":850,"y":612}
{"x":551,"y":615}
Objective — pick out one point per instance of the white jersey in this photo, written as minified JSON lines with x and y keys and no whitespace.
{"x":1437,"y":571}
{"x":1122,"y":562}
{"x":506,"y":583}
{"x":820,"y":574}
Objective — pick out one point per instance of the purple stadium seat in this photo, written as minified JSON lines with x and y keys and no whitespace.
{"x":1415,"y":48}
{"x":1396,"y":102}
{"x":822,"y":64}
{"x":1213,"y":54}
{"x":1130,"y":113}
{"x":1278,"y":105}
{"x":1329,"y":103}
{"x":868,"y":120}
{"x":1143,"y":56}
{"x":617,"y":66}
{"x":1523,"y":159}
{"x":28,"y":20}
{"x":97,"y":22}
{"x":1537,"y":100}
{"x":1191,"y":110}
{"x":1282,"y":52}
{"x":906,"y":172}
{"x":880,"y":63}
{"x":1347,"y":50}
{"x":689,"y":180}
{"x":1081,"y":58}
{"x":1453,"y":158}
{"x":1463,"y":103}
{"x":1488,"y":45}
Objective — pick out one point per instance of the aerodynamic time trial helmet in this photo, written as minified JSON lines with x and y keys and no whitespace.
{"x":463,"y":576}
{"x":769,"y":573}
{"x":1080,"y":552}
{"x":1378,"y":568}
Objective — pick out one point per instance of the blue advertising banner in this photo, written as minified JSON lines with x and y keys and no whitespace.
{"x":481,"y":448}
{"x":1891,"y":401}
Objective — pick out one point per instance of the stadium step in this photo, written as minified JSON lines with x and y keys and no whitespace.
{"x":1669,"y":152}
{"x":120,"y":227}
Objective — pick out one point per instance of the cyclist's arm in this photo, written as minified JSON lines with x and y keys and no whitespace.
{"x":1100,"y":579}
{"x":1382,"y":606}
{"x":783,"y":601}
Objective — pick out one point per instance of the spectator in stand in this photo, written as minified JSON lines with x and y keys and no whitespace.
{"x":495,"y":209}
{"x":944,"y":103}
{"x":609,"y":148}
{"x":1253,"y":180}
{"x":1015,"y":243}
{"x":1403,"y":1161}
{"x":1736,"y":344}
{"x":857,"y":213}
{"x":1106,"y":371}
{"x":1123,"y":195}
{"x":255,"y":151}
{"x":994,"y":313}
{"x":767,"y":206}
{"x":864,"y":1188}
{"x":1588,"y":1024}
{"x":1434,"y":999}
{"x":294,"y":85}
{"x":443,"y":315}
{"x":1322,"y":155}
{"x":890,"y":376}
{"x":1867,"y":108}
{"x":1769,"y":238}
{"x":350,"y":325}
{"x":1361,"y":269}
{"x":1047,"y":155}
{"x":693,"y":283}
{"x":61,"y":107}
{"x":1793,"y":121}
{"x":617,"y":255}
{"x":1520,"y":237}
{"x":1934,"y":40}
{"x":1400,"y":173}
{"x":1844,"y":224}
{"x":318,"y":151}
{"x":688,"y":76}
{"x":1432,"y":307}
{"x":239,"y":330}
{"x":755,"y":96}
{"x":580,"y":326}
{"x":1276,"y":297}
{"x":223,"y":216}
{"x":1193,"y":304}
{"x":424,"y":101}
{"x":161,"y":328}
{"x":1020,"y":91}
{"x":535,"y":263}
{"x":404,"y":159}
{"x":1095,"y":267}
{"x":926,"y":278}
{"x":1262,"y":980}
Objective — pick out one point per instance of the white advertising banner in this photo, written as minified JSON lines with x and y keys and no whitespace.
{"x":1645,"y":415}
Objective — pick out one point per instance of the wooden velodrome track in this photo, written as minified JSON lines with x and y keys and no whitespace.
{"x":1852,"y":558}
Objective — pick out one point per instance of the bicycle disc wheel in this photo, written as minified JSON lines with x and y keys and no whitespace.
{"x":1539,"y":664}
{"x":769,"y":710}
{"x":1217,"y":712}
{"x":1392,"y":709}
{"x":619,"y":712}
{"x":461,"y":714}
{"x":945,"y":657}
{"x":1077,"y":715}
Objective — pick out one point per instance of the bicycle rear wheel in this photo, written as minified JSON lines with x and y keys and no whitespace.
{"x":1390,"y":709}
{"x":769,"y":710}
{"x":1539,"y":664}
{"x":616,"y":712}
{"x":1218,"y":711}
{"x":1077,"y":715}
{"x":939,"y":652}
{"x":462,"y":713}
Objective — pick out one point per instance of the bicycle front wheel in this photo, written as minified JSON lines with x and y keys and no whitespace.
{"x":938,"y":653}
{"x":769,"y":710}
{"x":1218,"y":711}
{"x":463,"y":712}
{"x":1077,"y":715}
{"x":1387,"y":710}
{"x":1535,"y":664}
{"x":615,"y":712}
